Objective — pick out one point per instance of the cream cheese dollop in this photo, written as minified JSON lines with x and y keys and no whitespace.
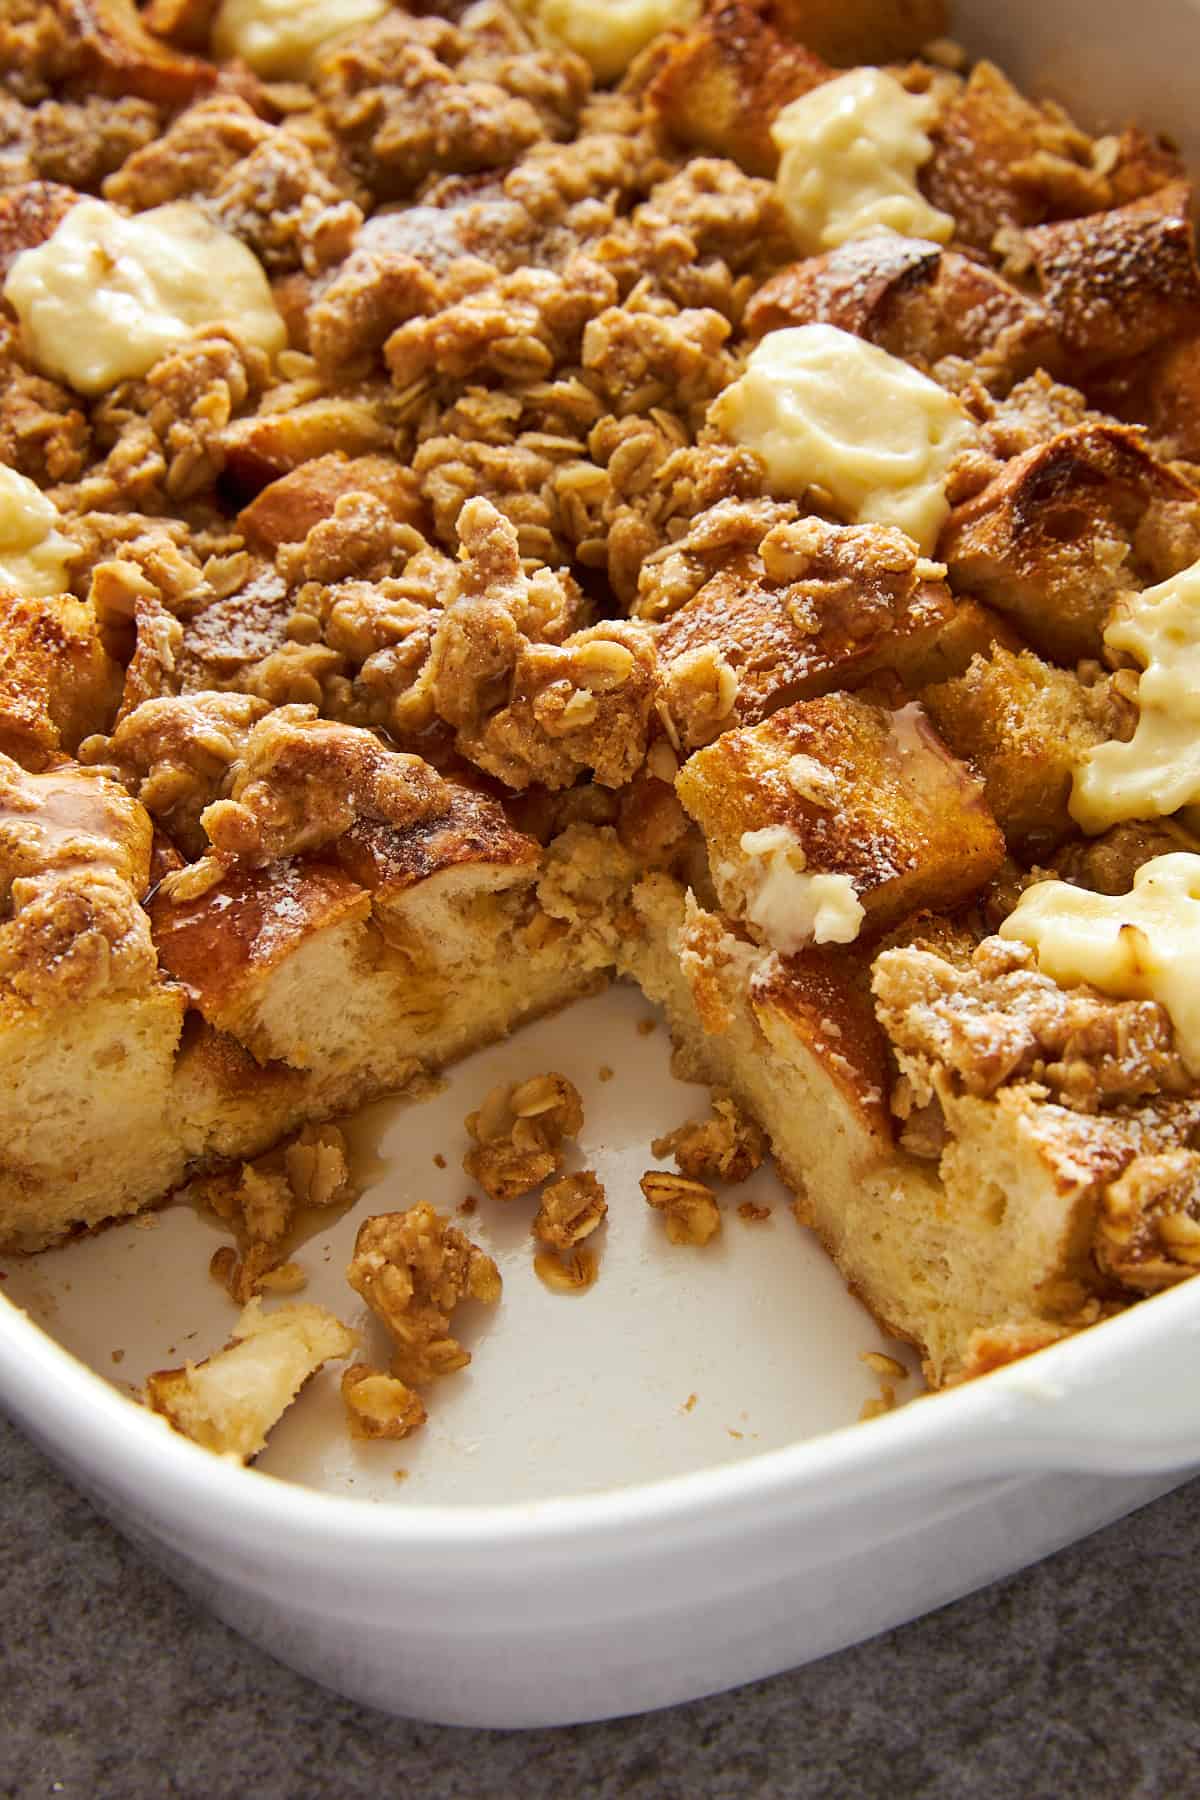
{"x":106,"y":295}
{"x":849,"y":155}
{"x":823,"y":408}
{"x":608,"y":33}
{"x":34,"y":553}
{"x":1158,"y":770}
{"x":1144,"y":945}
{"x":280,"y":38}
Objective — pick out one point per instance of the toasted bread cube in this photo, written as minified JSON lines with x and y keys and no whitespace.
{"x":87,"y":1124}
{"x":185,"y":23}
{"x":286,"y":510}
{"x":1160,"y":390}
{"x":262,"y":448}
{"x":972,"y":630}
{"x":120,"y":56}
{"x":299,"y":961}
{"x":858,"y":287}
{"x":230,"y":1401}
{"x":989,"y":165}
{"x":819,"y":606}
{"x":280,"y":958}
{"x":839,"y":787}
{"x":1028,"y":1175}
{"x":1024,"y":725}
{"x":1120,"y":282}
{"x":915,"y":300}
{"x":795,"y":1041}
{"x":720,"y":87}
{"x":846,"y":32}
{"x":1067,"y":527}
{"x":58,"y":684}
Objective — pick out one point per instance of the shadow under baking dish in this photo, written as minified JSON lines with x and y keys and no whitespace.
{"x":677,"y":1359}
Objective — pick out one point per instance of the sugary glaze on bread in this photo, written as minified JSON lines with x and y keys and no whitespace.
{"x":453,"y":661}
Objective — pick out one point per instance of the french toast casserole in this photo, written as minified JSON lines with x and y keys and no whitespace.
{"x":499,"y":497}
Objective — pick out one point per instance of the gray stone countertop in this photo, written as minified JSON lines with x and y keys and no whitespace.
{"x":1079,"y":1677}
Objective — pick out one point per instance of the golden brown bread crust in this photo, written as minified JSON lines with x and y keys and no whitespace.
{"x":1064,"y":528}
{"x":897,"y":815}
{"x":474,"y":831}
{"x":1120,"y":282}
{"x":227,"y":940}
{"x":58,"y":683}
{"x":815,"y":608}
{"x":847,"y":32}
{"x":287,"y":509}
{"x":1024,"y":725}
{"x":720,"y":87}
{"x":823,"y":997}
{"x":916,"y":300}
{"x":1002,"y":163}
{"x":116,"y":55}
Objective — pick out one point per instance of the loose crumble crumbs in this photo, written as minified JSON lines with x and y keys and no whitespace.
{"x":572,"y":1274}
{"x":729,"y":1145}
{"x":690,"y":1209}
{"x":519,"y":1132}
{"x":261,"y":1199}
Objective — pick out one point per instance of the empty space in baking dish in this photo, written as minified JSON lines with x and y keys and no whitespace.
{"x":676,"y":1359}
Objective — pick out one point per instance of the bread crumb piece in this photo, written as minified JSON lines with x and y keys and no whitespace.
{"x":468,"y":1206}
{"x":572,"y":1208}
{"x":572,"y":1275}
{"x":518,"y":1134}
{"x":230,"y":1401}
{"x":439,"y":1161}
{"x":691,"y":1212}
{"x":379,"y":1405}
{"x":690,"y":1403}
{"x":399,"y":1474}
{"x":606,"y":1074}
{"x":882,"y":1403}
{"x":147,"y":1221}
{"x":118,"y":1356}
{"x":752,"y":1213}
{"x":734,"y":1434}
{"x":727,"y":1145}
{"x":886,"y":1366}
{"x":646,"y":1026}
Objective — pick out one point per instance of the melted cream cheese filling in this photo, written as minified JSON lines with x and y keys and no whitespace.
{"x":279,"y":38}
{"x":789,"y":906}
{"x":609,"y":33}
{"x":105,"y":296}
{"x":1144,"y":945}
{"x":34,"y":553}
{"x":1158,"y":770}
{"x":850,"y":152}
{"x":826,"y":409}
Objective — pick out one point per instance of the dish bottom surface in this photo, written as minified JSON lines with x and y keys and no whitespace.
{"x":676,"y":1359}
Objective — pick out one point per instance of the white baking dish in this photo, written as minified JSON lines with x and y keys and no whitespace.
{"x":651,"y":1491}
